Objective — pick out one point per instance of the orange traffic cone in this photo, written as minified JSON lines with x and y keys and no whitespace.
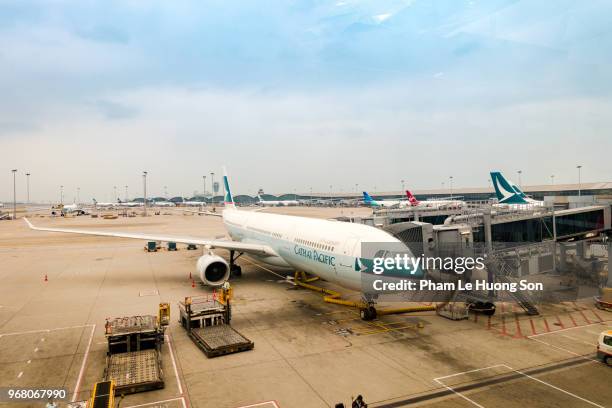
{"x":46,"y":279}
{"x":192,"y":283}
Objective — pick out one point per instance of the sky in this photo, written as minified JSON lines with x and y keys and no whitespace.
{"x":299,"y":95}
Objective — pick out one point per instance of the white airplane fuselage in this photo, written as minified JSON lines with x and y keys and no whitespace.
{"x":328,"y":249}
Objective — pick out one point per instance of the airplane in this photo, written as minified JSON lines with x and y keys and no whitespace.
{"x":368,"y":200}
{"x":329,"y":249}
{"x":194,"y":203}
{"x":103,"y":205}
{"x":68,"y":209}
{"x":128,"y":203}
{"x":276,"y":203}
{"x":435,"y":204}
{"x":164,"y":204}
{"x":509,"y":194}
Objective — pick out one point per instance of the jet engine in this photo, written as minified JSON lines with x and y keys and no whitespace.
{"x":213,"y":270}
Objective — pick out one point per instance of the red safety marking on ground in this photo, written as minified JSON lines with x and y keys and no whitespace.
{"x":519,"y":333}
{"x":533,"y":330}
{"x":596,"y":315}
{"x":586,"y":319}
{"x":572,"y":319}
{"x":546,"y":324}
{"x":560,"y":322}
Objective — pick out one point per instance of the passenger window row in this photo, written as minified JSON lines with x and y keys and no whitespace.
{"x":314,"y":244}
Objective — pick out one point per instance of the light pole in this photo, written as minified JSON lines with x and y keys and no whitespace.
{"x":451,"y":186}
{"x":28,"y":188}
{"x":212,"y":187}
{"x":144,"y":180}
{"x":552,"y":179}
{"x":204,"y":186}
{"x":520,"y":181}
{"x":61,"y":194}
{"x":402,"y":185}
{"x":579,"y":180}
{"x":14,"y":195}
{"x":78,"y":195}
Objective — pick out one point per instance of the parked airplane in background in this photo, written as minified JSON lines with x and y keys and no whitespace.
{"x":164,"y":204}
{"x":103,"y":205}
{"x":383,"y":203}
{"x":276,"y":203}
{"x":129,"y":203}
{"x":64,"y":209}
{"x":194,"y":203}
{"x":509,"y":194}
{"x":325,"y":248}
{"x":434,"y":204}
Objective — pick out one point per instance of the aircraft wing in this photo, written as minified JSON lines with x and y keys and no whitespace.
{"x":213,"y":214}
{"x":256,"y":249}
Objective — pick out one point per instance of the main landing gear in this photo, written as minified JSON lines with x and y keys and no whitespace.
{"x":235,"y":270}
{"x":368,"y":312}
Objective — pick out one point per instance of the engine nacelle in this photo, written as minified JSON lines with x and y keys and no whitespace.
{"x":213,"y":270}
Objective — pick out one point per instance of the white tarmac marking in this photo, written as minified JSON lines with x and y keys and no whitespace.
{"x":36,"y":350}
{"x":78,"y":383}
{"x":569,"y":328}
{"x":178,"y":380}
{"x":157,"y":402}
{"x":566,"y":350}
{"x":260,"y":404}
{"x":29,"y":361}
{"x":516,"y":371}
{"x":556,"y":388}
{"x":578,"y":340}
{"x":44,"y":330}
{"x":20,"y":374}
{"x":461,"y":373}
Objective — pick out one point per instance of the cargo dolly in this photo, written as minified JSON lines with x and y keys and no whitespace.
{"x":133,"y":361}
{"x":207,"y":321}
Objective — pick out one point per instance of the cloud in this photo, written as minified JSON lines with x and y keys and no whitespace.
{"x":108,"y":89}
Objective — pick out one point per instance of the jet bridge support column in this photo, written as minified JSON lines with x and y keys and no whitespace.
{"x":487,"y":230}
{"x":562,"y":257}
{"x":581,"y":250}
{"x":609,"y":283}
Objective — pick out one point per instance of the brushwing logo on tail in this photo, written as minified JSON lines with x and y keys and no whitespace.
{"x":228,"y":195}
{"x":507,"y":193}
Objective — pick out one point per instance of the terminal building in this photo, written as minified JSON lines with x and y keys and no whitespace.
{"x":563,"y":194}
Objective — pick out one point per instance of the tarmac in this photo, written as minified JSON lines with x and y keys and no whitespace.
{"x":307,"y":353}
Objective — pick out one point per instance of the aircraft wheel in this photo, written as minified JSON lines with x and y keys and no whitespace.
{"x":369,"y":313}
